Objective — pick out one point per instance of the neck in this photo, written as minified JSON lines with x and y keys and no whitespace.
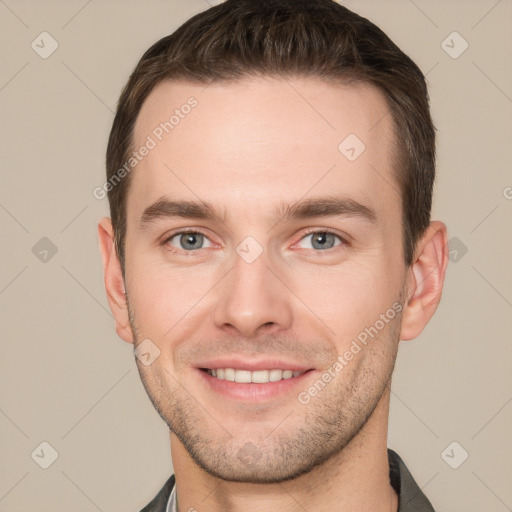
{"x":355,"y":479}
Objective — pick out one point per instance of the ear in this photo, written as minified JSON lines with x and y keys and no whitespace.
{"x":425,"y":280}
{"x":113,"y":278}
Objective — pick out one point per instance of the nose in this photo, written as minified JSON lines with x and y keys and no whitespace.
{"x":253,"y":299}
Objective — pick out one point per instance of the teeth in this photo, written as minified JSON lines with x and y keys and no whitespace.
{"x":229,"y":374}
{"x":275,"y":375}
{"x":258,"y":376}
{"x":242,"y":376}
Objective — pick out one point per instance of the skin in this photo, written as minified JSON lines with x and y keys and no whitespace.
{"x":246,"y":148}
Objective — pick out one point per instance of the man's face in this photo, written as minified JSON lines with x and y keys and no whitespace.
{"x":252,"y":288}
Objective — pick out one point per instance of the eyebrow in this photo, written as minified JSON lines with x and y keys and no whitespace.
{"x":325,"y":207}
{"x":309,"y":208}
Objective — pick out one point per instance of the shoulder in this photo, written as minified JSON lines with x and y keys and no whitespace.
{"x":159,"y":502}
{"x":410,"y":496}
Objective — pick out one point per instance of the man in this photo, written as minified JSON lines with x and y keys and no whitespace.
{"x":270,"y":172}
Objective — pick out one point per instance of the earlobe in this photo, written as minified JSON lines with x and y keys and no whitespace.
{"x":113,"y":279}
{"x":425,"y":280}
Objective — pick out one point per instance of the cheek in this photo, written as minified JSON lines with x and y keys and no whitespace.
{"x":349,"y":298}
{"x":166,"y":298}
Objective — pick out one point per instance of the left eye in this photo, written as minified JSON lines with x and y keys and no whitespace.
{"x":322,"y":240}
{"x":188,"y":241}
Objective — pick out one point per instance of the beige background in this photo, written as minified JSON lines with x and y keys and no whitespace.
{"x":67,"y":379}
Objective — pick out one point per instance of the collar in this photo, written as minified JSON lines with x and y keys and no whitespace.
{"x":171,"y":503}
{"x":410,"y":496}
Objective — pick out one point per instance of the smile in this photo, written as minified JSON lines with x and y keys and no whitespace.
{"x":254,"y":386}
{"x":256,"y":377}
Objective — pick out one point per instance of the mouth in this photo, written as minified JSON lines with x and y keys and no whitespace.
{"x":254,"y":386}
{"x":254,"y":377}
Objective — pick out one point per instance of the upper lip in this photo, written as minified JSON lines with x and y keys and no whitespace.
{"x":246,"y":364}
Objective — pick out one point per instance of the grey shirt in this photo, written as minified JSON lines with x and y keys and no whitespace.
{"x":410,"y":496}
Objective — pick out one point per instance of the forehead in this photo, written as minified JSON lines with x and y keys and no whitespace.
{"x":245,"y":144}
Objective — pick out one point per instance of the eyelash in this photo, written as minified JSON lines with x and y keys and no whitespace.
{"x":164,"y":243}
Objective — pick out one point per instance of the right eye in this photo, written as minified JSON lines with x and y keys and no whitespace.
{"x":186,"y":241}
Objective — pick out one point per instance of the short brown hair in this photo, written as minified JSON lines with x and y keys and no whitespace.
{"x":316,"y":38}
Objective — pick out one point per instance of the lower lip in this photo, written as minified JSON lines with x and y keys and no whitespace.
{"x":254,"y":392}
